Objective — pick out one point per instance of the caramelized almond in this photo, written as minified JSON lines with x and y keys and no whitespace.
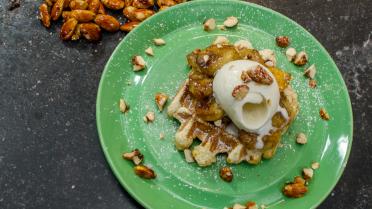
{"x":143,"y":4}
{"x":57,"y":9}
{"x":68,"y":29}
{"x":94,"y":5}
{"x":144,"y":172}
{"x":107,"y":22}
{"x":129,"y":26}
{"x":44,"y":15}
{"x":113,"y":4}
{"x":90,"y":31}
{"x":101,"y":9}
{"x":78,"y":4}
{"x":66,"y":15}
{"x":83,"y":15}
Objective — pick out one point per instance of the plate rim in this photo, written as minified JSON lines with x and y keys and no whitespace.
{"x":190,"y":3}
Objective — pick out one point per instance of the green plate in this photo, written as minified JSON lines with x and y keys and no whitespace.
{"x":182,"y":185}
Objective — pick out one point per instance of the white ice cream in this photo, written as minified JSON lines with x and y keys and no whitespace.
{"x":254,"y":112}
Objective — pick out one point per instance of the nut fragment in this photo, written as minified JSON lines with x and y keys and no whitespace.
{"x":226,"y":174}
{"x":129,"y":26}
{"x":144,"y":172}
{"x":243,"y":44}
{"x":83,"y":16}
{"x":301,"y":138}
{"x":307,"y":173}
{"x":312,"y":83}
{"x":323,"y":114}
{"x":259,"y":75}
{"x":161,"y":135}
{"x":160,"y":100}
{"x":282,"y":41}
{"x":218,"y":123}
{"x":315,"y":165}
{"x":78,"y":4}
{"x":134,"y":156}
{"x":107,"y":22}
{"x":149,"y":51}
{"x":44,"y":15}
{"x":240,"y":92}
{"x":113,"y":4}
{"x":57,"y":9}
{"x":291,"y":54}
{"x":251,"y":205}
{"x":295,"y":189}
{"x":188,"y":156}
{"x":94,"y":5}
{"x":123,"y":106}
{"x":209,"y":24}
{"x":90,"y":31}
{"x":301,"y":58}
{"x":159,"y":42}
{"x":230,"y":21}
{"x":238,"y":206}
{"x":143,"y":4}
{"x":137,"y":15}
{"x":101,"y":9}
{"x":149,"y":117}
{"x":68,"y":28}
{"x":245,"y":76}
{"x":138,"y":63}
{"x":221,"y":40}
{"x":310,"y":72}
{"x":268,"y":56}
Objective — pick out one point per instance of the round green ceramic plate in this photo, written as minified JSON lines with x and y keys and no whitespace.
{"x":181,"y":185}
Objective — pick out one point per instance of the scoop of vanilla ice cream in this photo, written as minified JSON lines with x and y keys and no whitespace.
{"x":252,"y":113}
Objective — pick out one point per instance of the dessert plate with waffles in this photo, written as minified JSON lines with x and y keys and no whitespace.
{"x":224,"y":104}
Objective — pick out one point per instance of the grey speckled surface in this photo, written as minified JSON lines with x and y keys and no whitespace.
{"x":50,"y":155}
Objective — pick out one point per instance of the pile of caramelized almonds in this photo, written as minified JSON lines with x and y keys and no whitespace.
{"x":86,"y":18}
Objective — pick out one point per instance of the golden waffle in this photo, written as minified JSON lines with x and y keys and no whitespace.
{"x":200,"y":116}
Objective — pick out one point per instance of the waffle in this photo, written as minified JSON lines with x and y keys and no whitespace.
{"x":201,"y":118}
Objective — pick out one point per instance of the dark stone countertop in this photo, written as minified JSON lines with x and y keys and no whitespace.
{"x":50,"y":155}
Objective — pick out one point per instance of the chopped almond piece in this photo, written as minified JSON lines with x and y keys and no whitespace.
{"x":282,"y":41}
{"x":238,"y":206}
{"x":240,"y":92}
{"x":160,"y":100}
{"x":243,"y":44}
{"x":149,"y":117}
{"x":259,"y":75}
{"x":291,"y":54}
{"x":221,"y":40}
{"x":312,"y":83}
{"x":231,"y":22}
{"x":218,"y":123}
{"x":138,"y":63}
{"x":310,"y":72}
{"x":188,"y":156}
{"x":315,"y":165}
{"x":159,"y":42}
{"x":149,"y":51}
{"x":134,"y":156}
{"x":301,"y":59}
{"x":226,"y":174}
{"x":323,"y":114}
{"x":295,"y":189}
{"x":123,"y":106}
{"x":245,"y":77}
{"x":209,"y":24}
{"x":161,"y":135}
{"x":301,"y":138}
{"x":307,"y":173}
{"x":251,"y":205}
